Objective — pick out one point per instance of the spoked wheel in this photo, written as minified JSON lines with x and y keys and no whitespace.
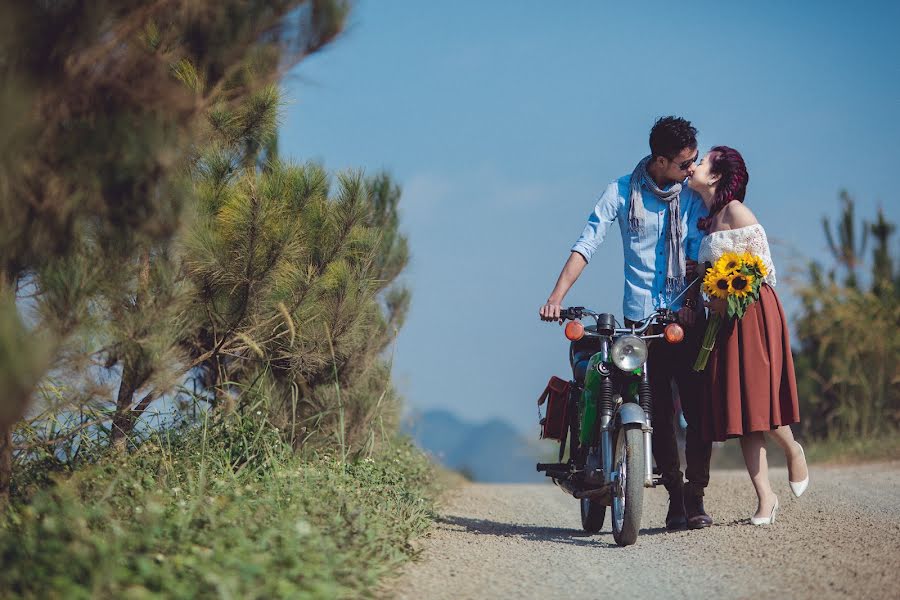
{"x":628,"y":488}
{"x":592,"y":515}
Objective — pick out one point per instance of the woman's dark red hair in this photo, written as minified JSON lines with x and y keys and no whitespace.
{"x":729,"y":165}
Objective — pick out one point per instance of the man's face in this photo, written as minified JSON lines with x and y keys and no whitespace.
{"x":680,"y":166}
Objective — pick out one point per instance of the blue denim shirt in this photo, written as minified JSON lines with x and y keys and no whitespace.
{"x":645,"y":254}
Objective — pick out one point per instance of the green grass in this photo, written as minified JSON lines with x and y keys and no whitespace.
{"x":846,"y":450}
{"x":228,"y":512}
{"x":849,"y":450}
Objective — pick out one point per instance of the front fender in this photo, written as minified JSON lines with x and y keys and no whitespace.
{"x":631,"y":412}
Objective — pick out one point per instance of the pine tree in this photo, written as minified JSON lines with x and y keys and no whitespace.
{"x":296,"y":283}
{"x":101,"y":107}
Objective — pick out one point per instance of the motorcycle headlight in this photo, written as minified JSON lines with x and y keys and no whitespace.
{"x":629,"y":352}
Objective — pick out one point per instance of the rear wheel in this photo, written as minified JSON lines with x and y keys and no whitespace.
{"x":628,"y":488}
{"x":592,"y":515}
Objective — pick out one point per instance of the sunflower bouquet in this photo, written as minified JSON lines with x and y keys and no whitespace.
{"x":735,"y":278}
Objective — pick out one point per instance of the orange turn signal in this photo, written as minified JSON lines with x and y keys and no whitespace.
{"x":574,"y":330}
{"x":674,"y":333}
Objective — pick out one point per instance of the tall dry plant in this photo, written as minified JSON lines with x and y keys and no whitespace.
{"x":848,"y":248}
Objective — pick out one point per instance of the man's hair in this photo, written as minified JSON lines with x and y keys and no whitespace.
{"x":671,"y":135}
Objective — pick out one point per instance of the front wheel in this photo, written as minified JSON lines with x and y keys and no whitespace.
{"x":628,"y":488}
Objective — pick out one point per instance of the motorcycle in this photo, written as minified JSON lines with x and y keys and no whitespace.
{"x":604,"y":413}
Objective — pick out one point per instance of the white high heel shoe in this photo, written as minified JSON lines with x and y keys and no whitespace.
{"x":766,"y":520}
{"x":798,"y":487}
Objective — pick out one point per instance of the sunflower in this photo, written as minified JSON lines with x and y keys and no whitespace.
{"x":729,"y":262}
{"x":717,"y":283}
{"x":754,"y":262}
{"x":740,"y":285}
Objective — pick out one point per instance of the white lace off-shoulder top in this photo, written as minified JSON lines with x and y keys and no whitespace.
{"x":751,"y":238}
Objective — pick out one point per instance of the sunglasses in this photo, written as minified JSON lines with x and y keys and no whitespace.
{"x":686,"y":164}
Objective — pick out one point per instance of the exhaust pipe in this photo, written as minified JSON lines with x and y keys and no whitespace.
{"x":566,"y":486}
{"x":578,"y":490}
{"x":599,"y":494}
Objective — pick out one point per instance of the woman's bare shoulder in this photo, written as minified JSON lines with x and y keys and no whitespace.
{"x":735,"y":214}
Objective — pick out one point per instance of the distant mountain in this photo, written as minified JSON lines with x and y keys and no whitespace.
{"x":490,"y":452}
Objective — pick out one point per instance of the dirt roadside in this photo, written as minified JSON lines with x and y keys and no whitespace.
{"x":840,"y":540}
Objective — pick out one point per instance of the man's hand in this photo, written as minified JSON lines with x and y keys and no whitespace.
{"x":687,"y":316}
{"x":718,"y":306}
{"x":692,"y":269}
{"x":550,"y":311}
{"x":569,"y":274}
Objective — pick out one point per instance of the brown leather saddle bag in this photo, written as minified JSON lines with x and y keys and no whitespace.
{"x":556,"y":419}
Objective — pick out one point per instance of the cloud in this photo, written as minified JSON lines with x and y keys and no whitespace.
{"x":485,"y":188}
{"x":423,"y":195}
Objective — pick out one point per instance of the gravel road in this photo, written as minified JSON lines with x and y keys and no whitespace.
{"x":840,"y":540}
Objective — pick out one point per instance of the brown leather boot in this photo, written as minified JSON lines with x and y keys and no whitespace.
{"x":675,"y":518}
{"x":695,"y":513}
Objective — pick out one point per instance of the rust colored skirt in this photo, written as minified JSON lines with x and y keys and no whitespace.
{"x":750,"y":383}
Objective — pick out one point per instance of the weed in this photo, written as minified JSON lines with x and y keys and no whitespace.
{"x":227,"y":510}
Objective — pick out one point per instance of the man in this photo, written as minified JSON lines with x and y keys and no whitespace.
{"x":657,"y":217}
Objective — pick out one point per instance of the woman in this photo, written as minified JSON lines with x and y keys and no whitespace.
{"x":750,"y":384}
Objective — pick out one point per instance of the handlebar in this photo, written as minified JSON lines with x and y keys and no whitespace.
{"x":573,"y":312}
{"x":660,"y":316}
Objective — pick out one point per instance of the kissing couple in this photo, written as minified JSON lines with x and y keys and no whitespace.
{"x":678,"y":211}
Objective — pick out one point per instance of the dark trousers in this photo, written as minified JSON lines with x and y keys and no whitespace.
{"x":674,"y":362}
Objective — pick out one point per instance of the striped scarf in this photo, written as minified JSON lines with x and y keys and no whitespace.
{"x":675,"y":271}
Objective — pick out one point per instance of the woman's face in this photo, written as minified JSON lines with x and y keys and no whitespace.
{"x":701,"y":179}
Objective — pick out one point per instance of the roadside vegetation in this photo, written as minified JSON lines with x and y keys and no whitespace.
{"x":227,"y":511}
{"x":195,"y":332}
{"x":848,"y":342}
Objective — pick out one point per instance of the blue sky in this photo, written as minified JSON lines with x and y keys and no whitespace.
{"x":504,"y":121}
